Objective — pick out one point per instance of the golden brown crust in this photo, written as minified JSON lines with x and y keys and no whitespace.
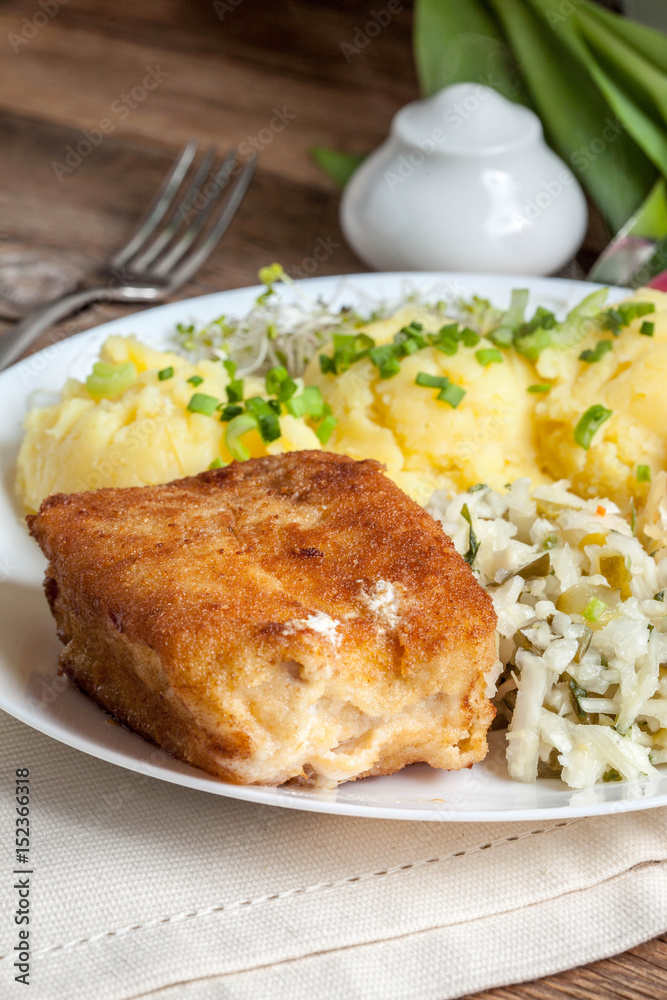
{"x":203,"y":580}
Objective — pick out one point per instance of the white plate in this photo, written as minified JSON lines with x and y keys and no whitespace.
{"x":31,"y":691}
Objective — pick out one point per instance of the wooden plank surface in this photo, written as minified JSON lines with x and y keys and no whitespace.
{"x":222,"y":75}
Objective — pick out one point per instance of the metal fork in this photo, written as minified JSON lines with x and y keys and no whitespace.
{"x":172,"y":242}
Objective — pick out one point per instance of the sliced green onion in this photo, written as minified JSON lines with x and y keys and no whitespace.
{"x":267,"y":420}
{"x":165,"y":373}
{"x":452,"y":394}
{"x":643,"y":474}
{"x":308,"y":404}
{"x":623,"y":313}
{"x":469,"y":337}
{"x":612,"y":775}
{"x":597,"y":353}
{"x":327,"y":365}
{"x":550,"y":542}
{"x":235,"y":391}
{"x":325,"y":429}
{"x":195,"y":380}
{"x":594,"y":609}
{"x":230,"y":368}
{"x":108,"y":380}
{"x":217,"y":463}
{"x":660,"y":596}
{"x":202,"y":403}
{"x":539,"y":387}
{"x":633,"y":310}
{"x":647,"y":328}
{"x":235,"y":429}
{"x":477,"y":487}
{"x":278,"y":383}
{"x":446,"y":339}
{"x":489,"y":356}
{"x":589,"y":423}
{"x":432,"y":381}
{"x":229,"y":412}
{"x":385,"y":360}
{"x":473,"y":543}
{"x":504,"y":333}
{"x":409,"y":339}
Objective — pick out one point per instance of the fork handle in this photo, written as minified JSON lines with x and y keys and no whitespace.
{"x":20,"y":337}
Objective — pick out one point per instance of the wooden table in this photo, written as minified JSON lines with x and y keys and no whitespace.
{"x":224,"y":69}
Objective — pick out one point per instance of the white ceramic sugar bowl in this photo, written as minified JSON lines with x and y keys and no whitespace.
{"x":464,"y":182}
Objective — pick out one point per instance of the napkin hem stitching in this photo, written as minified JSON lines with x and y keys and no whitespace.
{"x":289,"y":893}
{"x":639,"y":866}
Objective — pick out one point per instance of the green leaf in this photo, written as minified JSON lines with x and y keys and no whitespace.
{"x":573,"y":109}
{"x":644,"y":81}
{"x":460,"y":41}
{"x":339,"y":166}
{"x":647,"y":134}
{"x":647,"y":41}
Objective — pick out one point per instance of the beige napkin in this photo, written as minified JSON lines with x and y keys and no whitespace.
{"x":144,"y":889}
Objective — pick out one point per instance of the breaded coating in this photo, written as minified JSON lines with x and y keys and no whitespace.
{"x":289,"y":618}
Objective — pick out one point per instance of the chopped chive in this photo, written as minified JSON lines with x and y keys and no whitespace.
{"x":589,"y":423}
{"x":643,"y":474}
{"x":432,"y":381}
{"x":617,"y":317}
{"x":473,"y":543}
{"x":230,"y":368}
{"x":325,"y":430}
{"x":201,"y":403}
{"x":385,"y":360}
{"x":452,"y":394}
{"x":469,"y":337}
{"x":165,"y":373}
{"x":539,"y":387}
{"x":489,"y":356}
{"x":308,"y":404}
{"x":647,"y":328}
{"x":327,"y":365}
{"x":235,"y":429}
{"x":594,"y":609}
{"x":229,"y":412}
{"x":446,"y":339}
{"x":195,"y":380}
{"x":633,"y":310}
{"x":592,"y":356}
{"x":267,"y":420}
{"x":217,"y":463}
{"x":235,"y":391}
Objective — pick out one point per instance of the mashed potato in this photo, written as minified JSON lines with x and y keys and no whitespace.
{"x":426,"y":444}
{"x":143,"y":436}
{"x":499,"y":431}
{"x":631,"y":381}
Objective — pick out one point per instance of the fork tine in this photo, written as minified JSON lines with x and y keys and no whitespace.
{"x":146,"y":257}
{"x":158,"y":208}
{"x":196,"y":258}
{"x":182,"y":244}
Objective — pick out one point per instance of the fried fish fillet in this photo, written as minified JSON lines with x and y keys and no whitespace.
{"x":295,"y":617}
